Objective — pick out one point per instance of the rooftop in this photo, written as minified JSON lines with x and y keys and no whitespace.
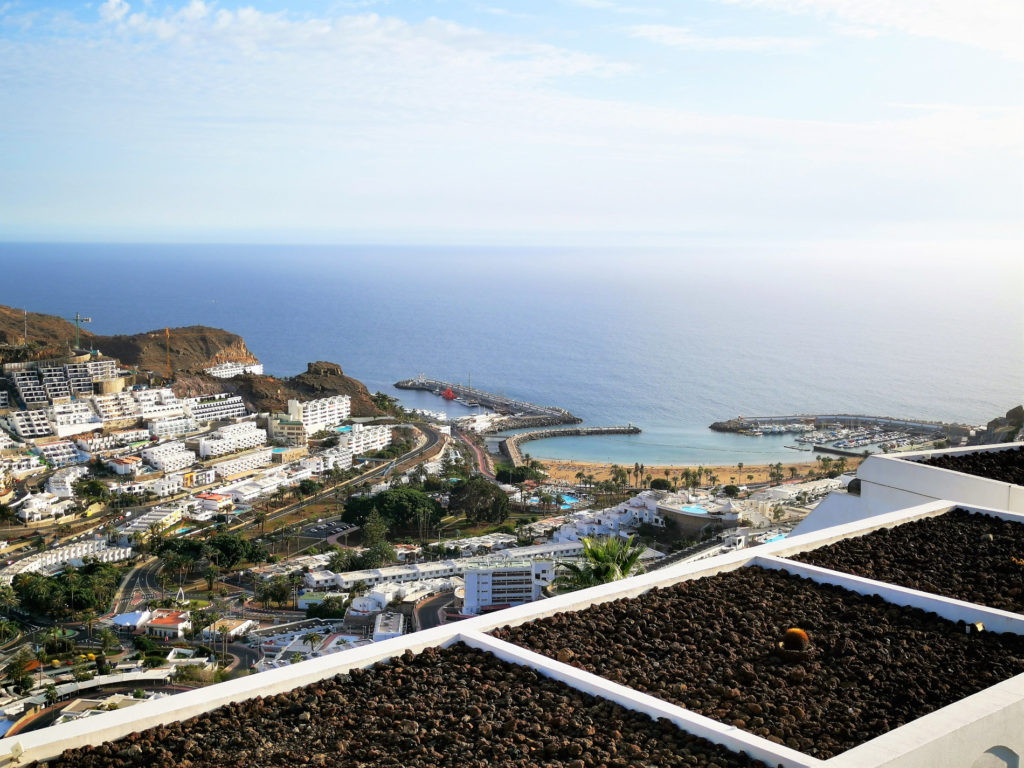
{"x":691,"y":649}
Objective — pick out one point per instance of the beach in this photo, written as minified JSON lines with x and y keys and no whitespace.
{"x":565,"y":471}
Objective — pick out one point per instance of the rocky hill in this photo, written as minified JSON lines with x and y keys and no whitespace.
{"x":48,"y":336}
{"x":191,"y":350}
{"x":267,"y":393}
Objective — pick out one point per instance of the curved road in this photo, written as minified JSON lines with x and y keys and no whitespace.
{"x":481,"y":460}
{"x":428,"y":613}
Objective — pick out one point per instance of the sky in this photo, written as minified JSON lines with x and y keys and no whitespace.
{"x":534,"y":121}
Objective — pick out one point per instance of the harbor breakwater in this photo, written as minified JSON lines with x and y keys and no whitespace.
{"x":745,"y":423}
{"x":510,"y":446}
{"x":526,"y":414}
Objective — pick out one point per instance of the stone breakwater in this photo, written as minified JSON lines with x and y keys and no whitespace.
{"x":452,"y":707}
{"x":967,"y":556}
{"x":711,"y":645}
{"x":510,"y":447}
{"x":496,"y":402}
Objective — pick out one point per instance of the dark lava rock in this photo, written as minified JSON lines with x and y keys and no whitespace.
{"x":453,"y":707}
{"x":872,"y":666}
{"x":1005,"y":466}
{"x":973,"y":557}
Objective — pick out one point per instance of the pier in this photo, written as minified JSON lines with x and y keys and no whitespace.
{"x":511,"y":444}
{"x":530,"y":414}
{"x":744,"y":423}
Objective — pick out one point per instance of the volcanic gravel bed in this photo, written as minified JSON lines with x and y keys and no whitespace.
{"x":710,"y":645}
{"x":1004,"y":466}
{"x":454,"y":707}
{"x":959,"y":554}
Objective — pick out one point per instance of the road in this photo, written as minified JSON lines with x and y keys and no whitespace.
{"x":428,"y":613}
{"x":481,"y":460}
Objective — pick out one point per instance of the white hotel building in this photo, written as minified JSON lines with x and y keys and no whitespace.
{"x":366,"y":438}
{"x":30,"y":424}
{"x":496,"y":585}
{"x":169,"y":457}
{"x":227,"y":370}
{"x":232,"y":438}
{"x":247,"y":462}
{"x":321,"y":413}
{"x":215,"y":407}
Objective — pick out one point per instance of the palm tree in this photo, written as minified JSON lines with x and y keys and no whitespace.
{"x":107,"y":639}
{"x":210,"y":573}
{"x":314,"y":639}
{"x":8,"y":630}
{"x":636,"y":473}
{"x":603,"y":560}
{"x":739,"y":467}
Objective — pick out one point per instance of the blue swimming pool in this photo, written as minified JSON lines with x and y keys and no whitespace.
{"x":776,"y":537}
{"x":695,"y":510}
{"x":343,"y":429}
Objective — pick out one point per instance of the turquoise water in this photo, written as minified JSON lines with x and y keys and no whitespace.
{"x":280,"y":450}
{"x":567,"y":498}
{"x":766,"y":329}
{"x":344,"y":429}
{"x":695,"y":510}
{"x":776,"y":537}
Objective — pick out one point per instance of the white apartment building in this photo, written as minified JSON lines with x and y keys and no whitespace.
{"x":55,"y":382}
{"x":227,"y":370}
{"x":30,"y":388}
{"x":321,"y":413}
{"x":60,"y":453}
{"x":248,"y":462}
{"x":56,"y":559}
{"x":102,"y":369}
{"x":22,"y":464}
{"x":339,"y":457}
{"x":117,"y":406}
{"x":157,"y":404}
{"x":163,"y":517}
{"x":61,"y":483}
{"x":30,"y":424}
{"x":74,"y":419}
{"x":125,"y":465}
{"x":5,"y":400}
{"x":363,"y":438}
{"x":162,"y":428}
{"x":42,"y":506}
{"x":168,"y":485}
{"x":215,"y":407}
{"x":500,"y":585}
{"x":169,"y":457}
{"x":96,"y":443}
{"x":231,"y":439}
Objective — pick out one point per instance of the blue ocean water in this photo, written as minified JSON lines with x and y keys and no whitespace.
{"x":667,"y":339}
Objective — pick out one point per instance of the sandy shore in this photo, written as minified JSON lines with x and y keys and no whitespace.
{"x":565,"y":471}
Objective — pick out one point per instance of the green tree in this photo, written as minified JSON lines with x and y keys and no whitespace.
{"x":603,"y":560}
{"x":375,"y":529}
{"x":313,"y":639}
{"x":479,"y":500}
{"x":731,"y":491}
{"x":51,"y":695}
{"x":399,"y":507}
{"x":211,"y":573}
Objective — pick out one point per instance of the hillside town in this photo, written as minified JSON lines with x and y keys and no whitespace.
{"x":210,"y":540}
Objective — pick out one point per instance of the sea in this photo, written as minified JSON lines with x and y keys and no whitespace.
{"x":668,"y":339}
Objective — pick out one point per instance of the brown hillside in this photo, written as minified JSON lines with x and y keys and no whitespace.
{"x":49,"y":336}
{"x":266,"y":393}
{"x":192,"y":349}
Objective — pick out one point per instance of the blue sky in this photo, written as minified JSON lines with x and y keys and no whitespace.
{"x":566,"y":121}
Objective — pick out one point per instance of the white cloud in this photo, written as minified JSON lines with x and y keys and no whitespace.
{"x":255,"y":121}
{"x":683,"y":37}
{"x":114,"y":10}
{"x":995,"y":25}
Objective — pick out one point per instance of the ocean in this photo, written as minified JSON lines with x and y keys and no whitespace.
{"x":666,"y":339}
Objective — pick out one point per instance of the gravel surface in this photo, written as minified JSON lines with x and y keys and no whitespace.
{"x":710,"y":645}
{"x":1005,"y":466}
{"x":454,"y":707}
{"x":967,"y":556}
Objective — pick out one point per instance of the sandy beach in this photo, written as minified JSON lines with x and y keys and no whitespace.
{"x":565,"y":471}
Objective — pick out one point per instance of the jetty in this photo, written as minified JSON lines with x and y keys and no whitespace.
{"x":510,"y":446}
{"x":527,"y":414}
{"x":850,"y":420}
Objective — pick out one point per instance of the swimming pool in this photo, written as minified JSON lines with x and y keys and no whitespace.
{"x":776,"y":537}
{"x":343,"y":429}
{"x":567,"y":500}
{"x":695,"y":510}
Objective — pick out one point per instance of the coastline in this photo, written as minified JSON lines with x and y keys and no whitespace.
{"x":563,"y":470}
